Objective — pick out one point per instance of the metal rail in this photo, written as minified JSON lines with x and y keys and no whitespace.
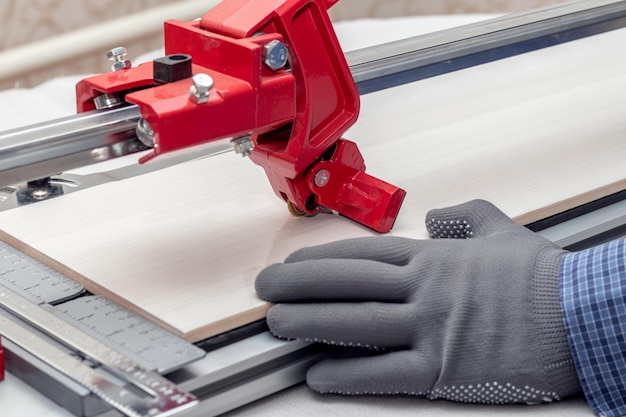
{"x":53,"y":147}
{"x":408,"y":60}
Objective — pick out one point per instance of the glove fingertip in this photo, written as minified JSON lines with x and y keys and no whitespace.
{"x":279,"y":322}
{"x":319,"y":380}
{"x":474,"y":218}
{"x":264,"y":284}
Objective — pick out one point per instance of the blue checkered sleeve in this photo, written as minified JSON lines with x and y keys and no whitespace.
{"x":593,"y":298}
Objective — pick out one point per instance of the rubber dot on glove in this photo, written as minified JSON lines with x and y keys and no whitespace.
{"x":449,"y":229}
{"x":493,"y":393}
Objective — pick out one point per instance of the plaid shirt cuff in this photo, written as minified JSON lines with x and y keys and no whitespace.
{"x":593,"y":299}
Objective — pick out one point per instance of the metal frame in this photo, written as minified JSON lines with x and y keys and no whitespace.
{"x":225,"y":379}
{"x":261,"y":365}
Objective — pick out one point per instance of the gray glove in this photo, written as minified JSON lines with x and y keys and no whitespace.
{"x":473,"y":316}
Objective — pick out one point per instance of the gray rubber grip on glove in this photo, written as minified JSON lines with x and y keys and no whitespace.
{"x":472,"y":316}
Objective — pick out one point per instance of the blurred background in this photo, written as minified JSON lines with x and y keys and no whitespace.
{"x":43,"y":39}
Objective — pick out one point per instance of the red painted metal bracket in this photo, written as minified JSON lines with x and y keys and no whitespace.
{"x":292,"y":114}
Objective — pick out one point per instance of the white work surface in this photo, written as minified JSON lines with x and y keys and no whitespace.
{"x":55,"y":99}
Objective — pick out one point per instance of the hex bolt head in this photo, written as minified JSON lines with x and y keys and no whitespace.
{"x":118,"y":57}
{"x":201,"y":88}
{"x":116,"y":52}
{"x":243,"y":146}
{"x":275,"y":55}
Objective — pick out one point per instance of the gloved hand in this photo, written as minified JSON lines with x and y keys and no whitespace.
{"x":472,"y":316}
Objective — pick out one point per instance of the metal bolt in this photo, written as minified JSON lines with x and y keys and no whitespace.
{"x":39,"y":189}
{"x":201,"y":88}
{"x":321,"y":178}
{"x":40,"y":194}
{"x":275,"y":55}
{"x":118,"y":57}
{"x":243,"y":146}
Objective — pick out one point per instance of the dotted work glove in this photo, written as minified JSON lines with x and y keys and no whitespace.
{"x":472,"y":316}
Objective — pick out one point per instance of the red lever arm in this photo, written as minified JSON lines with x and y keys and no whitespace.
{"x":281,"y":80}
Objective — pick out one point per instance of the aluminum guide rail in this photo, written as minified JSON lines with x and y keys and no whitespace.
{"x":54,"y":147}
{"x":437,"y":53}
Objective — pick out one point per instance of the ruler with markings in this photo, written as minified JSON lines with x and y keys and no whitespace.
{"x":140,"y":340}
{"x":152,"y":396}
{"x":33,"y":280}
{"x":109,"y":344}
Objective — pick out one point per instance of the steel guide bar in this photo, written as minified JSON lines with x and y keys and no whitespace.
{"x":84,"y":139}
{"x":408,"y":60}
{"x":93,"y":137}
{"x":162,"y":397}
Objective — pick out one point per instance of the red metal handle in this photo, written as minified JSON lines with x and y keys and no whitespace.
{"x":295,"y":112}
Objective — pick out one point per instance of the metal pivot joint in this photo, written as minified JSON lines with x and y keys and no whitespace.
{"x":275,"y":55}
{"x":263,"y":78}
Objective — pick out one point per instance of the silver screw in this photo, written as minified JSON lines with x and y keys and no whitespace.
{"x":118,"y":57}
{"x":275,"y":55}
{"x":243,"y":146}
{"x":201,"y":88}
{"x":322,"y":177}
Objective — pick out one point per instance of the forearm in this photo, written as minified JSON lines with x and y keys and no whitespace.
{"x":593,"y":298}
